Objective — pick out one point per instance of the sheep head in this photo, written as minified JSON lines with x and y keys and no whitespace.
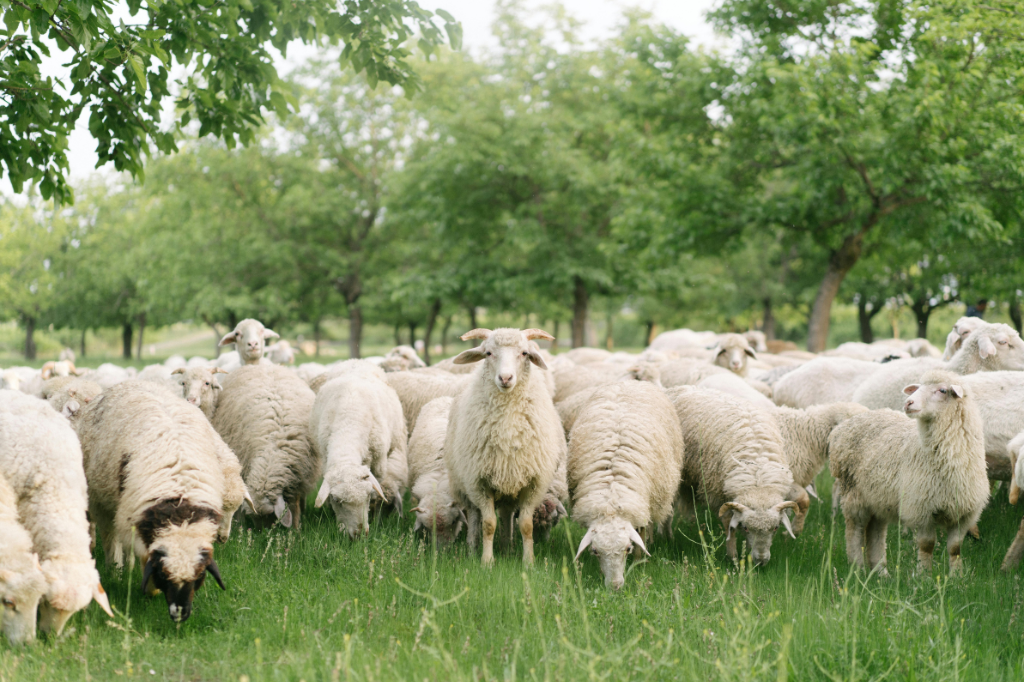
{"x":757,"y":525}
{"x":22,"y":585}
{"x":732,"y":351}
{"x":199,"y":386}
{"x":70,"y":586}
{"x":934,"y":395}
{"x":999,"y":346}
{"x":250,"y":339}
{"x":610,"y":540}
{"x":447,"y":520}
{"x":350,"y":493}
{"x":507,"y":354}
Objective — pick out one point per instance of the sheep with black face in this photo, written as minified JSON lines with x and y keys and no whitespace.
{"x":504,"y":440}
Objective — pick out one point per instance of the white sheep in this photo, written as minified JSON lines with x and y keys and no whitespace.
{"x":757,"y":340}
{"x":734,"y":463}
{"x":732,"y":352}
{"x":250,"y":339}
{"x":68,"y":394}
{"x":416,"y":388}
{"x":361,"y":367}
{"x":281,"y":353}
{"x":687,"y":372}
{"x":199,"y":386}
{"x":436,"y":509}
{"x":682,"y":338}
{"x":570,"y":408}
{"x":625,"y":459}
{"x":308,"y":371}
{"x":988,"y":348}
{"x":926,"y":472}
{"x":962,"y":328}
{"x":821,"y":381}
{"x":587,"y":356}
{"x":174,"y":362}
{"x":163,"y":486}
{"x":109,"y":374}
{"x":400,"y":359}
{"x":42,"y":461}
{"x":22,"y":583}
{"x":737,"y":386}
{"x":263,"y":415}
{"x":357,"y":426}
{"x":1016,"y":550}
{"x":504,"y":440}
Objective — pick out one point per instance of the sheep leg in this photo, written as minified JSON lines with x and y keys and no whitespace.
{"x":855,"y":542}
{"x":296,"y":507}
{"x":954,"y":540}
{"x":837,"y":500}
{"x":1016,"y":550}
{"x":489,"y":521}
{"x":925,"y":548}
{"x":526,"y":530}
{"x":877,"y":529}
{"x":472,"y":527}
{"x":505,"y":527}
{"x":799,"y":495}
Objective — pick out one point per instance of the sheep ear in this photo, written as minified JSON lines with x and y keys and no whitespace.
{"x":180,"y":370}
{"x":750,"y":352}
{"x":270,"y":334}
{"x":467,"y":357}
{"x":536,"y":359}
{"x":228,"y":339}
{"x":986,"y":348}
{"x":476,"y":334}
{"x":321,"y":496}
{"x":957,"y":390}
{"x":637,"y":540}
{"x":219,"y":370}
{"x":100,"y":597}
{"x":717,"y":350}
{"x":279,"y":507}
{"x":588,"y":537}
{"x":911,"y":389}
{"x":531,"y":334}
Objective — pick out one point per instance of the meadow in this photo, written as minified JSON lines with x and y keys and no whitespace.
{"x":313,"y":606}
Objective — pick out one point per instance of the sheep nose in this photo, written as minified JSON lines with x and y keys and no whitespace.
{"x":762,"y":559}
{"x":505,"y":379}
{"x":616,"y":583}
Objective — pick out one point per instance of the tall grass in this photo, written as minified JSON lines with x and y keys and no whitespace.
{"x":313,"y":606}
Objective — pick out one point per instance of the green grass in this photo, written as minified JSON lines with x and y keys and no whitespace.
{"x":313,"y":606}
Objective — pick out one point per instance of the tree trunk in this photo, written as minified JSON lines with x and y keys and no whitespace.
{"x":444,"y":334}
{"x":412,"y":334}
{"x":81,"y":346}
{"x":126,"y":341}
{"x":398,"y":333}
{"x":651,"y":331}
{"x":472,"y":317}
{"x":355,"y":330}
{"x":30,"y":340}
{"x":579,"y":313}
{"x":232,"y":319}
{"x":431,"y":321}
{"x":216,"y":335}
{"x":609,"y":337}
{"x":1015,"y":314}
{"x":922,"y":311}
{"x":316,"y":338}
{"x":768,"y":323}
{"x":142,"y":330}
{"x":840,"y":263}
{"x":864,"y":317}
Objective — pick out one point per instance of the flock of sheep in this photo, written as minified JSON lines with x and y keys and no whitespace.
{"x":155,"y":465}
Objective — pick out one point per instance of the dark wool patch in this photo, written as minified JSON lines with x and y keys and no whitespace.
{"x":122,"y":472}
{"x":172,"y":513}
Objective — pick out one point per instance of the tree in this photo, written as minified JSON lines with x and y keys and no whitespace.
{"x":121,"y":71}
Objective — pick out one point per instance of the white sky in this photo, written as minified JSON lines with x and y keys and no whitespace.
{"x":600,"y":16}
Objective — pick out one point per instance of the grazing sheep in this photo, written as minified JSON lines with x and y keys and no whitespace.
{"x":416,"y":388}
{"x":732,"y":352}
{"x":625,"y":458}
{"x":988,"y":348}
{"x":68,"y":394}
{"x":250,"y":338}
{"x":570,"y":408}
{"x":162,"y":486}
{"x":357,"y":427}
{"x":736,"y":385}
{"x":22,"y":583}
{"x":821,"y":381}
{"x":805,"y":443}
{"x":956,"y":337}
{"x":735,"y":463}
{"x":436,"y":509}
{"x":199,"y":386}
{"x":263,"y":415}
{"x":42,"y":461}
{"x":401,"y":359}
{"x":504,"y":440}
{"x":925,"y":472}
{"x":1016,"y":550}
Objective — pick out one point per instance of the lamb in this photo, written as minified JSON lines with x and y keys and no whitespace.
{"x":400,"y":359}
{"x":22,"y":583}
{"x":357,"y":426}
{"x":68,"y":394}
{"x":625,"y":459}
{"x":925,"y":474}
{"x":735,"y":462}
{"x":731,"y":352}
{"x":250,"y":338}
{"x":961,"y":330}
{"x":821,"y":381}
{"x":416,"y":388}
{"x":504,"y":440}
{"x":199,"y":386}
{"x":1016,"y":550}
{"x":805,"y":443}
{"x":41,"y":459}
{"x":436,"y":510}
{"x":162,"y":486}
{"x":990,"y":347}
{"x":263,"y":415}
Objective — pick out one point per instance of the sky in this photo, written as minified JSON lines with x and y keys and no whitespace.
{"x":600,"y":16}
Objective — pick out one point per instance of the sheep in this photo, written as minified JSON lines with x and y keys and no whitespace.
{"x":281,"y":353}
{"x":571,"y":379}
{"x":1016,"y":550}
{"x":587,"y":356}
{"x":922,"y":348}
{"x":42,"y":461}
{"x":11,"y":380}
{"x":199,"y":386}
{"x":61,"y":368}
{"x":805,"y":443}
{"x":822,"y":380}
{"x":687,"y":372}
{"x":416,"y":388}
{"x":504,"y":440}
{"x":435,"y":507}
{"x":308,"y":371}
{"x":625,"y":460}
{"x":357,"y":426}
{"x":68,"y":394}
{"x":400,"y":359}
{"x":22,"y":583}
{"x":990,"y":347}
{"x":163,"y":486}
{"x":108,"y":374}
{"x":160,"y":374}
{"x":263,"y":415}
{"x":735,"y":462}
{"x":773,"y":375}
{"x":735,"y":385}
{"x":869,"y":352}
{"x":570,"y":408}
{"x":361,"y":367}
{"x":925,"y":474}
{"x":962,"y":328}
{"x":682,"y":338}
{"x":175,"y":361}
{"x":250,"y":338}
{"x":757,"y":340}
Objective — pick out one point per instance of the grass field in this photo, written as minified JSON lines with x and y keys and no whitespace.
{"x":313,"y":606}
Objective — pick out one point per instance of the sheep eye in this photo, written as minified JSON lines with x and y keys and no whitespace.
{"x":9,"y":603}
{"x":207,"y":383}
{"x":488,"y":353}
{"x":525,"y":353}
{"x":942,"y":391}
